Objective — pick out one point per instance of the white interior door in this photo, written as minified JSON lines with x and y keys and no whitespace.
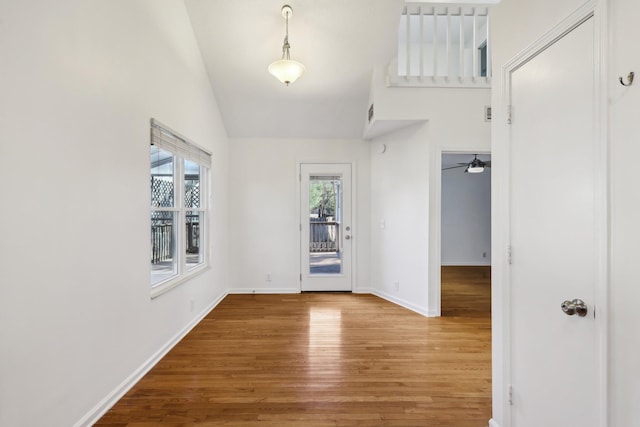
{"x":554,"y":240}
{"x":325,"y":227}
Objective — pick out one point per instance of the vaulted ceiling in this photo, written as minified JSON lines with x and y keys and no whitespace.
{"x":338,"y":41}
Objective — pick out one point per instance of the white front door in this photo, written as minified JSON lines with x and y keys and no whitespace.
{"x":554,"y":235}
{"x":325,"y":227}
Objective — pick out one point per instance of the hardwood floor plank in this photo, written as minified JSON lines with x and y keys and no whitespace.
{"x":322,"y":360}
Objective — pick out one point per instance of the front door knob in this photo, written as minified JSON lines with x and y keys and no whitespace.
{"x":576,"y":306}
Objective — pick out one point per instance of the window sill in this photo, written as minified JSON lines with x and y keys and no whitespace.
{"x":164,"y":287}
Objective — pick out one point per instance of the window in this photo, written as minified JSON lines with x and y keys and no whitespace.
{"x":179,"y":208}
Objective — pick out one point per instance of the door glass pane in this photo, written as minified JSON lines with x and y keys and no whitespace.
{"x":325,"y":218}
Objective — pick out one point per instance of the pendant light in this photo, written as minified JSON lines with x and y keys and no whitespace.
{"x":286,"y":70}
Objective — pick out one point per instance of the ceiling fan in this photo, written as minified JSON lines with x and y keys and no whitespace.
{"x":474,"y":166}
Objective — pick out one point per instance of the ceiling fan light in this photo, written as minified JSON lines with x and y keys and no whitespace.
{"x":475,"y":169}
{"x":286,"y":70}
{"x":475,"y":166}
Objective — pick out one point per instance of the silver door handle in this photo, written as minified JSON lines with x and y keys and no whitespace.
{"x":347,"y":237}
{"x":576,"y":306}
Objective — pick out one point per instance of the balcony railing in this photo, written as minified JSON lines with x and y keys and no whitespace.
{"x":442,"y":46}
{"x":324,"y":236}
{"x":162,"y":247}
{"x":161,"y":242}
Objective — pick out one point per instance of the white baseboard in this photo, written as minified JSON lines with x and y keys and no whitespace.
{"x":467,"y":264}
{"x":492,"y":423}
{"x":112,"y":398}
{"x":403,"y":303}
{"x":263,"y":291}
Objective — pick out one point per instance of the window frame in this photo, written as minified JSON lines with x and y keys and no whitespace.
{"x":182,"y":150}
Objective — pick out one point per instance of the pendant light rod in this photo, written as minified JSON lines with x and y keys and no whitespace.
{"x":286,"y":12}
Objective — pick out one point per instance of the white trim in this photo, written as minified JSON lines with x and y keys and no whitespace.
{"x":91,"y":417}
{"x":164,"y":287}
{"x":596,"y":9}
{"x":435,"y":233}
{"x":354,"y":226}
{"x":401,"y":302}
{"x":540,"y":45}
{"x":250,"y":290}
{"x":603,"y":193}
{"x":466,"y":264}
{"x":493,"y":423}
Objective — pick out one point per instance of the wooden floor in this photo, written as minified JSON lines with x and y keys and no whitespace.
{"x":324,"y":359}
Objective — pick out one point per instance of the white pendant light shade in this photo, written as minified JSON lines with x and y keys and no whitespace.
{"x":286,"y":70}
{"x":475,"y":169}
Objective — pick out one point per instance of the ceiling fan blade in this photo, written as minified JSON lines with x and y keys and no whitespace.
{"x":486,"y":163}
{"x":455,"y":167}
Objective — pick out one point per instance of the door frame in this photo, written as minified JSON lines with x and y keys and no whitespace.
{"x":501,"y":312}
{"x":354,"y":216}
{"x":435,"y":276}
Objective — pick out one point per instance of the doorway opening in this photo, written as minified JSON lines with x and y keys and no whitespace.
{"x":465,"y":234}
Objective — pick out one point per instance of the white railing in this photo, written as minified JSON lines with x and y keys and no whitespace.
{"x":442,"y":46}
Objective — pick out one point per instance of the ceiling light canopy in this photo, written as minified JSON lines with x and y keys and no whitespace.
{"x":286,"y":70}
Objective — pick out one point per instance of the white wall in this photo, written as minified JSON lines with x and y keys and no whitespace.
{"x":466,"y":216}
{"x":625,"y":211}
{"x":400,"y":217}
{"x":80,"y":81}
{"x":514,"y":26}
{"x":264,"y":209}
{"x":405,"y":183}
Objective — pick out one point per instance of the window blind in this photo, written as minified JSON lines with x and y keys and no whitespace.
{"x":167,"y":139}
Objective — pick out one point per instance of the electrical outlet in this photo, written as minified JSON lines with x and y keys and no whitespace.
{"x":192,"y":304}
{"x":484,"y":254}
{"x":267,"y":277}
{"x":396,"y":286}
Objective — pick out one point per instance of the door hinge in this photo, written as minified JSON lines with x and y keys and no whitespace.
{"x":300,"y":227}
{"x":509,"y":114}
{"x":300,"y":177}
{"x":510,"y":391}
{"x":509,"y":255}
{"x":301,"y":277}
